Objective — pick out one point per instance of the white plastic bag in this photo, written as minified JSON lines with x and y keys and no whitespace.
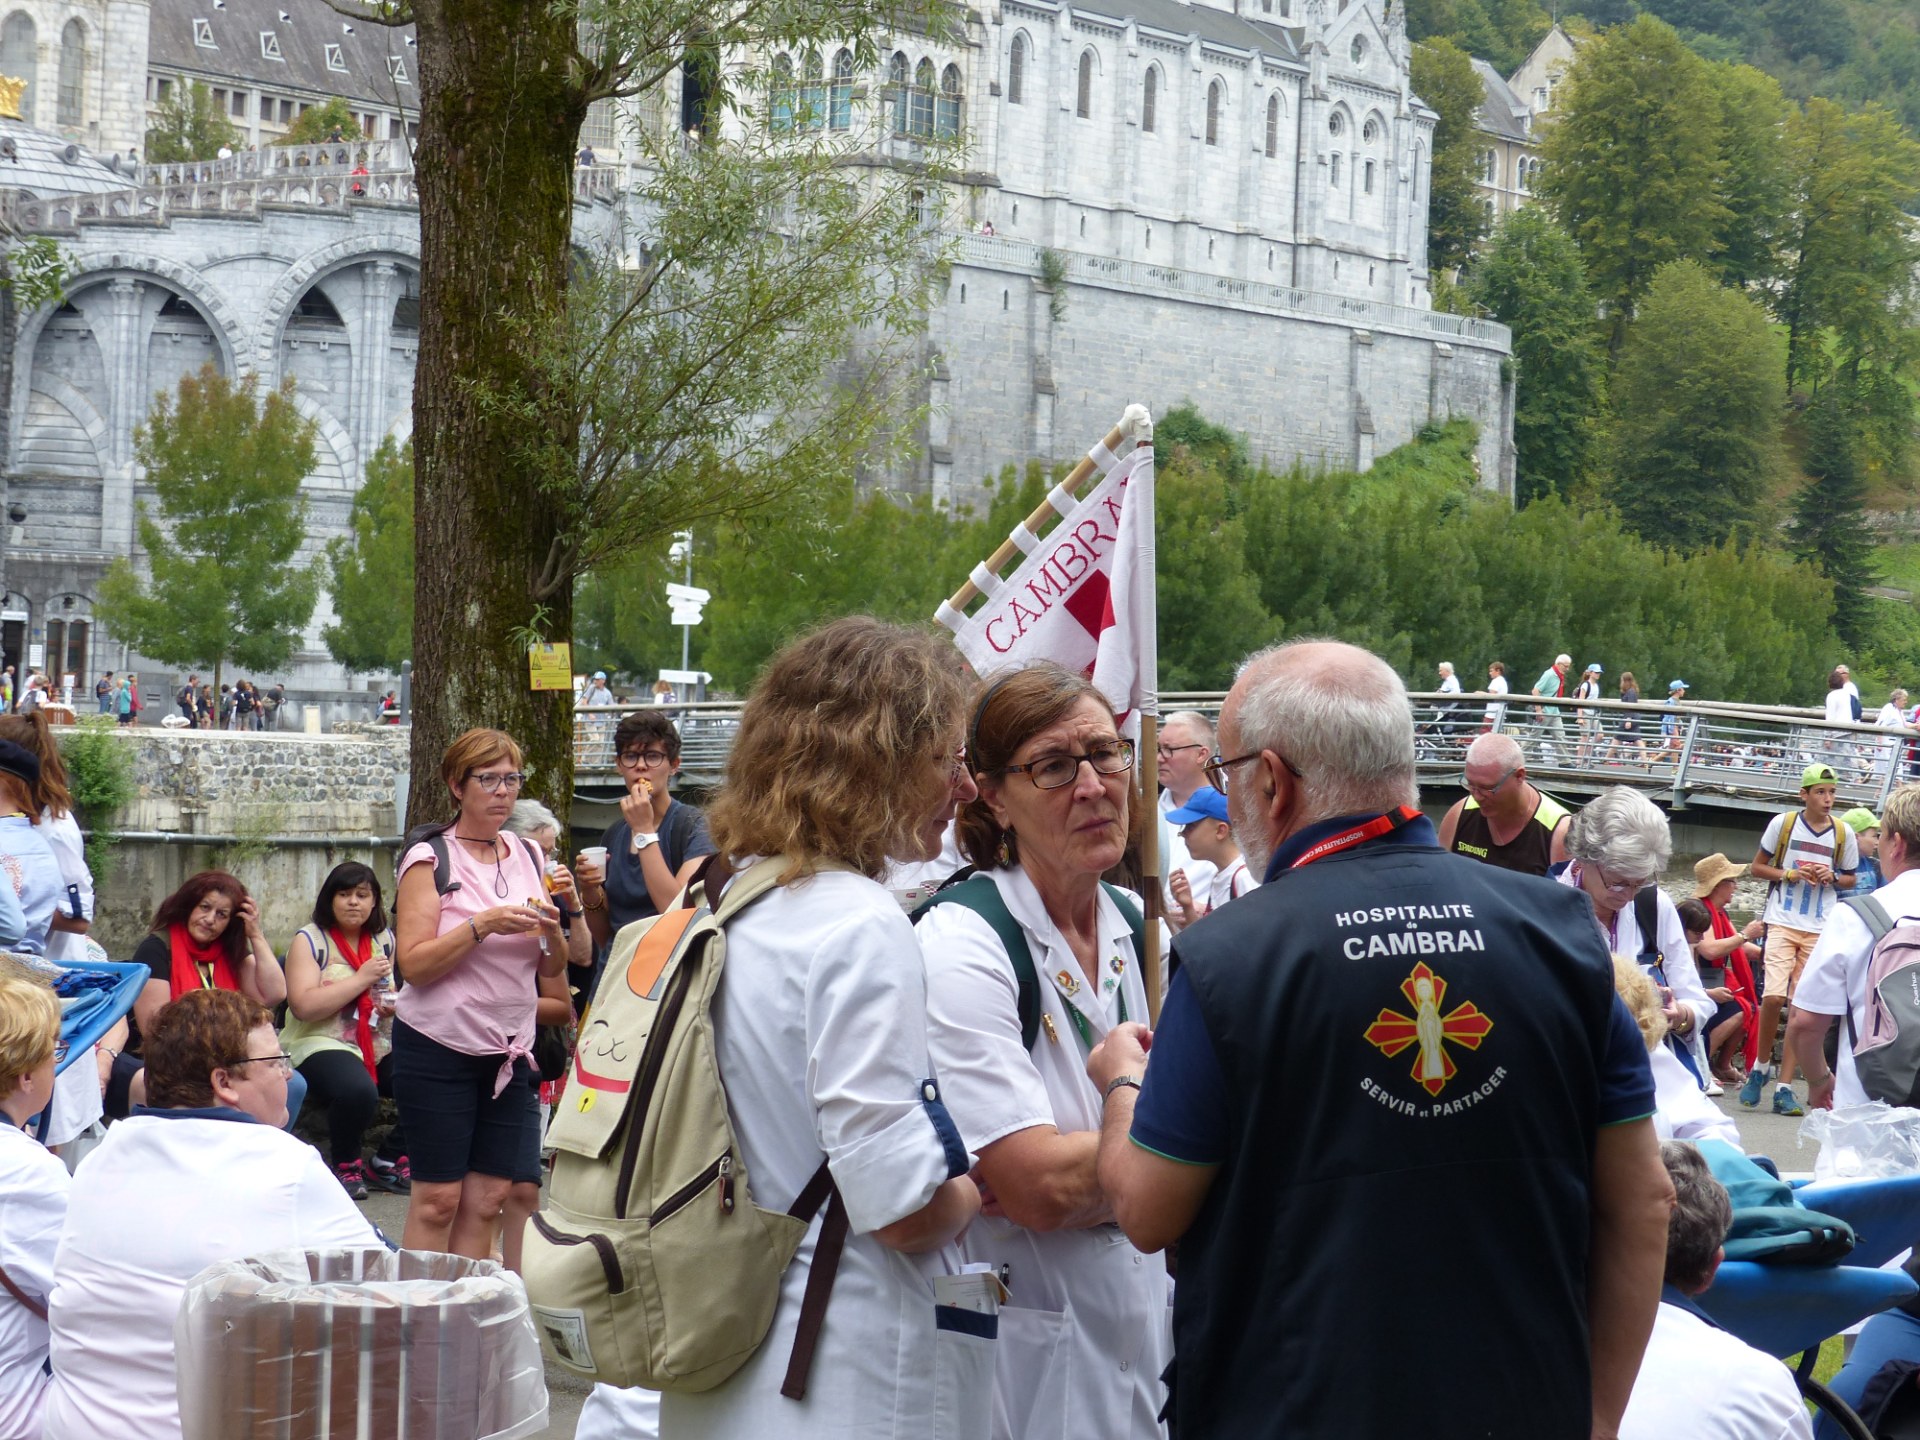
{"x":318,"y":1345}
{"x":1864,"y":1142}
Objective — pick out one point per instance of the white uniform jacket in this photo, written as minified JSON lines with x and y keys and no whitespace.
{"x":1087,"y":1332}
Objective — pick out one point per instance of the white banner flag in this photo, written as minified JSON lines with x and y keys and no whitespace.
{"x":1083,"y":597}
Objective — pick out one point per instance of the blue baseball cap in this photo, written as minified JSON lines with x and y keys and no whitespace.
{"x":1206,"y":803}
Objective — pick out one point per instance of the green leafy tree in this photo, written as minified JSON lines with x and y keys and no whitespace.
{"x":1444,"y":77}
{"x":318,"y":124}
{"x":372,"y":568}
{"x":1531,"y":279}
{"x":1849,"y":300}
{"x":1754,"y":175}
{"x":1829,"y":527}
{"x":1634,"y":170}
{"x":1697,"y":402}
{"x":226,"y":467}
{"x":190,"y":126}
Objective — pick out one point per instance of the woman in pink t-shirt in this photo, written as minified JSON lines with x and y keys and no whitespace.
{"x":462,"y":1073}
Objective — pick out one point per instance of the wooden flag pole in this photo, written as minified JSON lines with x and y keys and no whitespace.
{"x":1076,"y":477}
{"x":1147,"y":765}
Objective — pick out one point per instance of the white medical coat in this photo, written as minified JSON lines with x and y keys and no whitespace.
{"x":1088,"y":1331}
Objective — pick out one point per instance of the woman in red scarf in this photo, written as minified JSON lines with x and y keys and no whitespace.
{"x":206,"y":936}
{"x":339,"y":1033}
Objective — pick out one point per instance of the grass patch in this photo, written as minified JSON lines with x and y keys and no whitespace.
{"x":1828,"y":1365}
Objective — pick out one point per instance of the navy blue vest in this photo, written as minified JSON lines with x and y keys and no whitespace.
{"x":1397,"y":1243}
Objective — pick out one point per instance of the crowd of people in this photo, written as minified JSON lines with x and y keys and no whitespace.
{"x":1395,"y":1063}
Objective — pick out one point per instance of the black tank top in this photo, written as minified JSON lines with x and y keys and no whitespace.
{"x":1530,"y":852}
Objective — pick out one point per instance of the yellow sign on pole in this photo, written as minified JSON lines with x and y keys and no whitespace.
{"x":550,"y":667}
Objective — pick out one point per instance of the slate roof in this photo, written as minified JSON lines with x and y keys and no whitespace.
{"x":1279,"y":41}
{"x":1502,"y":113}
{"x":39,"y":164}
{"x":302,"y":31}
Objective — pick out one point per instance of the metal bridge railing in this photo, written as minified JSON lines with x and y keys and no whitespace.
{"x":1746,"y":755}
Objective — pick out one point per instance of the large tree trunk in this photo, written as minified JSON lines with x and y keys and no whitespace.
{"x":498,"y":122}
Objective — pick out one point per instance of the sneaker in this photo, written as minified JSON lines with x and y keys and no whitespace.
{"x":353,"y":1178}
{"x":393,"y":1176}
{"x":1754,"y":1086}
{"x":1785,"y":1102}
{"x":1715,"y":1089}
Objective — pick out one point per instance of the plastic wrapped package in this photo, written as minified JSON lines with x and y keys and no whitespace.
{"x":1862,"y":1142}
{"x":316,"y":1345}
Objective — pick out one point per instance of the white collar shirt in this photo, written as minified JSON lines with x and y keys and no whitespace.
{"x":1683,"y":976}
{"x":1835,"y":980}
{"x":33,"y":1206}
{"x":1705,"y":1384}
{"x":1088,"y":1331}
{"x":161,"y":1199}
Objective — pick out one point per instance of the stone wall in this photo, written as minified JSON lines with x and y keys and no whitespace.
{"x":280,"y":811}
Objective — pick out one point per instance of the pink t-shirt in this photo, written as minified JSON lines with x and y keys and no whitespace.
{"x":485,"y":1004}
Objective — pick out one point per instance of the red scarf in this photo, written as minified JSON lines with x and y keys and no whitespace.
{"x":356,"y":956}
{"x":190,"y":958}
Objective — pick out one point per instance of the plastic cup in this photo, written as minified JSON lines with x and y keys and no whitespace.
{"x":597,"y":854}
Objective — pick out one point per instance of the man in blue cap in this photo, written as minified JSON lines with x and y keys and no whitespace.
{"x":1208,"y":835}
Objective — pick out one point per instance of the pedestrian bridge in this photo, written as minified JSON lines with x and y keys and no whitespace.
{"x":1691,"y":756}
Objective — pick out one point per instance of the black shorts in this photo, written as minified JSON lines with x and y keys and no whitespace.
{"x":117,"y":1100}
{"x":456,"y":1125}
{"x":1729,"y":1009}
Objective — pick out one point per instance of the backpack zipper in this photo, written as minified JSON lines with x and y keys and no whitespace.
{"x":602,"y":1246}
{"x":650,"y":1067}
{"x":721,"y":1169}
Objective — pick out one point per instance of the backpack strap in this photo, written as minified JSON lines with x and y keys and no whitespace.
{"x":443,"y":881}
{"x":1787,"y":821}
{"x":820,"y":1275}
{"x":1646,"y":914}
{"x":1878,"y":922}
{"x":980,"y":895}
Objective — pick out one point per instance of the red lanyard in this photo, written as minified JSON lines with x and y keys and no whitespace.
{"x":1347,"y":839}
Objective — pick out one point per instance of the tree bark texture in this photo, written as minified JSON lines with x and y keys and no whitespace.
{"x":499,"y":117}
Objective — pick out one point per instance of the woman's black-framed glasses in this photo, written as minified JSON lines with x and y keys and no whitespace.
{"x":1053,"y":772}
{"x":1216,"y":769}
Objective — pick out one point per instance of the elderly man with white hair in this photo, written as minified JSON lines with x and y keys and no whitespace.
{"x":1620,"y":846}
{"x":1503,"y":820}
{"x":1184,"y":747}
{"x":1384,"y":1071}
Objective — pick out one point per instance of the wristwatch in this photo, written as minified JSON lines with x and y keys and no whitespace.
{"x":641,"y":842}
{"x":1115,"y":1083}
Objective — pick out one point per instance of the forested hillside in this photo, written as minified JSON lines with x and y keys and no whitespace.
{"x":1848,"y":50}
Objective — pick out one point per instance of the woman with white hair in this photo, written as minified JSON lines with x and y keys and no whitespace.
{"x":1620,"y":845}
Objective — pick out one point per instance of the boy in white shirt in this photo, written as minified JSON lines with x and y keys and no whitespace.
{"x":1208,"y":834}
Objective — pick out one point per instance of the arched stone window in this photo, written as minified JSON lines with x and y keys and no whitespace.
{"x":812,"y":112}
{"x":1273,"y":126}
{"x":1149,"y":101}
{"x":73,"y":74}
{"x":1369,"y":177}
{"x":946,"y":106}
{"x":922,"y":107}
{"x":781,"y":96}
{"x":1083,"y":94}
{"x":840,"y":96}
{"x":1334,"y":173}
{"x":20,"y":56}
{"x":1017,"y":70}
{"x":1213,"y":113}
{"x":900,"y":90}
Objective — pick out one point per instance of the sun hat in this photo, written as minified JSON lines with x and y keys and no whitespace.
{"x":1711,"y":871}
{"x":1818,"y":775}
{"x":1206,"y":803}
{"x":1860,"y":818}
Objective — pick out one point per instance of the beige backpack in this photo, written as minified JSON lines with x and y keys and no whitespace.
{"x":650,"y":1264}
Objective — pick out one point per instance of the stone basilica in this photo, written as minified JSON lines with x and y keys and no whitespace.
{"x":1221,"y":201}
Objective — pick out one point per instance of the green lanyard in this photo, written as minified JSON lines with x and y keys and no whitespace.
{"x":1084,"y":1030}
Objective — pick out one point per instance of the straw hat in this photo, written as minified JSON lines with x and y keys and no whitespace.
{"x":1711,"y":871}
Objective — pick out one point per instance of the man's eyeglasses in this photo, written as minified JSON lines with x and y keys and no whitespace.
{"x":60,"y":1053}
{"x":1216,"y":769}
{"x":282,"y":1062}
{"x":648,"y":758}
{"x":1466,"y":782}
{"x":1167,"y":752}
{"x":494,"y":782}
{"x":1052,"y":772}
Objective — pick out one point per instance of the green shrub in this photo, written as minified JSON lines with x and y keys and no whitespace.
{"x":100,"y":774}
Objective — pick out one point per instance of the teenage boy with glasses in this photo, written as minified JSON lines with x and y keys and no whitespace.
{"x":655,"y":844}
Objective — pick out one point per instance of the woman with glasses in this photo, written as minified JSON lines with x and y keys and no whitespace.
{"x":202,"y":1174}
{"x":206,"y":936}
{"x":656,"y":843}
{"x":1087,"y":1334}
{"x":463,"y":1073}
{"x":1620,"y":845}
